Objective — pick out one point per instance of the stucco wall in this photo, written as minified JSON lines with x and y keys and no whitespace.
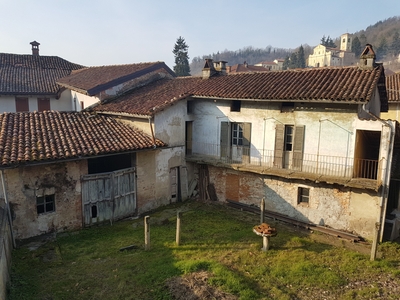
{"x":153,"y":176}
{"x":7,"y":103}
{"x":62,"y":179}
{"x":337,"y":207}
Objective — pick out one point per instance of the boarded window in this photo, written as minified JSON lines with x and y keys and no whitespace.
{"x":43,"y":104}
{"x":22,"y":104}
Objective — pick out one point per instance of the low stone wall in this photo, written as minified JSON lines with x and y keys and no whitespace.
{"x":6,"y":246}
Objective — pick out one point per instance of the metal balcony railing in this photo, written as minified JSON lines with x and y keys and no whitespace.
{"x":335,"y":166}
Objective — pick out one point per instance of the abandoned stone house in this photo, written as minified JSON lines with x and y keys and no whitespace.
{"x":311,"y":142}
{"x":64,"y":170}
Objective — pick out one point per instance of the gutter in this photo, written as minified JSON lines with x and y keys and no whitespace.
{"x":386,"y":181}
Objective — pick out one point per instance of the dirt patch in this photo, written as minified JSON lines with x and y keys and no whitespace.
{"x":194,"y":286}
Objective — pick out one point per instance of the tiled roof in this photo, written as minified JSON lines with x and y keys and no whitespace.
{"x":344,"y":84}
{"x":393,"y":87}
{"x":93,"y":80}
{"x":52,"y":136}
{"x":246,"y":68}
{"x":32,"y":74}
{"x":152,"y":97}
{"x":330,"y":84}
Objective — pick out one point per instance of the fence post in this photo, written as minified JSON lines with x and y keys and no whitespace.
{"x":178,"y":228}
{"x":262,"y":209}
{"x":147,"y":232}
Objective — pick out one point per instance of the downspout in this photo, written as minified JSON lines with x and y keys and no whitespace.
{"x":385,"y":190}
{"x":8,"y":209}
{"x":152,"y":134}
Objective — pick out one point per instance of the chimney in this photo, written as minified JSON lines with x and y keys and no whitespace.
{"x":220,"y":67}
{"x":367,"y":58}
{"x":208,"y":69}
{"x":35,"y":48}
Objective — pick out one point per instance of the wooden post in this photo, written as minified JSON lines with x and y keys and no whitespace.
{"x":147,"y":232}
{"x":265,"y":243}
{"x":178,"y":228}
{"x":374,"y":246}
{"x":262,"y":209}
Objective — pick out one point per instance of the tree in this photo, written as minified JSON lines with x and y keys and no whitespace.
{"x":180,"y":51}
{"x":293,"y":61}
{"x":356,"y":46}
{"x":301,"y":60}
{"x":286,"y":63}
{"x":395,"y":47}
{"x":327,"y":42}
{"x":382,"y":49}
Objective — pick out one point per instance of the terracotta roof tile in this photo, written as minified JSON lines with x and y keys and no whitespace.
{"x":50,"y":135}
{"x":347,"y":84}
{"x":393,"y":87}
{"x":32,"y":74}
{"x":331,"y":84}
{"x":93,"y":80}
{"x":152,"y":97}
{"x":246,"y":68}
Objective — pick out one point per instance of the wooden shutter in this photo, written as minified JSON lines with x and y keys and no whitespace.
{"x":22,"y":104}
{"x":43,"y":104}
{"x":298,"y":147}
{"x":224,"y":139}
{"x":246,"y":142}
{"x":279,"y":144}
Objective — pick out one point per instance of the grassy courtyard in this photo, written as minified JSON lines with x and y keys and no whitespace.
{"x":219,"y":258}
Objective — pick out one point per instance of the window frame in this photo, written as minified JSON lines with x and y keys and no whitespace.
{"x":45,"y":202}
{"x":22,"y":102}
{"x":303,"y":195}
{"x":236,"y":105}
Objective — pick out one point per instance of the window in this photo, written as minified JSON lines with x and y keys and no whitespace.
{"x":189,"y":107}
{"x":21,"y":104}
{"x":237,"y":134}
{"x":82,"y":105}
{"x":235,"y":105}
{"x":43,"y":104}
{"x":303,"y":195}
{"x":288,"y":138}
{"x":287,"y":106}
{"x":45,"y":203}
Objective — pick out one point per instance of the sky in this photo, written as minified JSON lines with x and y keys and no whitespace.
{"x":113,"y":32}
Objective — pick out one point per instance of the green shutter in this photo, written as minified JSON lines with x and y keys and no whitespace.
{"x":298,"y":147}
{"x":246,"y":142}
{"x":279,"y":144}
{"x":224,"y":139}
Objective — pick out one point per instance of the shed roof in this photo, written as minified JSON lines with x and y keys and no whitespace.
{"x":50,"y":136}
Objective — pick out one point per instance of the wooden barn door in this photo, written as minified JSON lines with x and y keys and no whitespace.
{"x":108,"y":196}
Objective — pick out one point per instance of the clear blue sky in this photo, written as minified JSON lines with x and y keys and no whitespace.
{"x":108,"y":32}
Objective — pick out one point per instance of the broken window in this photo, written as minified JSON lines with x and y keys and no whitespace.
{"x":303,"y":195}
{"x":45,"y":203}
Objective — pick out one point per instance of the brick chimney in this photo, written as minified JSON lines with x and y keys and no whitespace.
{"x":367,"y":58}
{"x":35,"y":48}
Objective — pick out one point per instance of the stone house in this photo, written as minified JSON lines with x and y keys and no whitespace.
{"x":311,"y":142}
{"x":28,"y":82}
{"x":65,"y":170}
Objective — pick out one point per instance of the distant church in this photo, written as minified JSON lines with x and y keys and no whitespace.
{"x":327,"y":57}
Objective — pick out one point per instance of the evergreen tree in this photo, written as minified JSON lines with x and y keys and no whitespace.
{"x":356,"y":46}
{"x":301,"y":60}
{"x":363,"y":41}
{"x":286,"y":63}
{"x":323,"y":40}
{"x":395,"y":47}
{"x":327,"y":42}
{"x":180,"y":51}
{"x":382,"y":48}
{"x":293,"y":61}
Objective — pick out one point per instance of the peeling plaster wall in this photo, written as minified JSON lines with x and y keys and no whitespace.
{"x":62,"y":179}
{"x":153,"y":177}
{"x":337,"y":207}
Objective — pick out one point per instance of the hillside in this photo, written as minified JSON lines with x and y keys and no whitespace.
{"x":383,"y":36}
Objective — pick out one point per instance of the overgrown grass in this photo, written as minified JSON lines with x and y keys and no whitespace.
{"x":89,"y":264}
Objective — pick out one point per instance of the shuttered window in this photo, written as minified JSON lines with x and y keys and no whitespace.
{"x":289,"y":138}
{"x":43,"y":104}
{"x":21,"y":104}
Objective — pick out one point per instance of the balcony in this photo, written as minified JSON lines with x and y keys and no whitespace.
{"x":362,"y":173}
